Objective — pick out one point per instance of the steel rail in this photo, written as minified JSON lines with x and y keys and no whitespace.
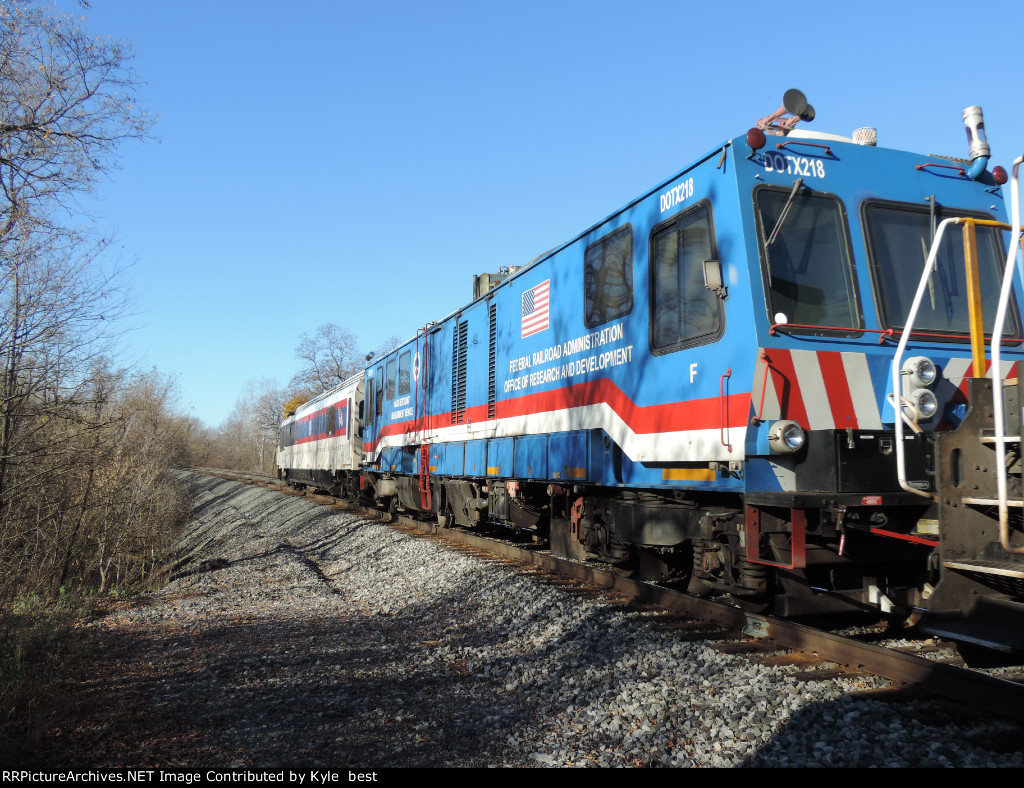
{"x":1001,"y":696}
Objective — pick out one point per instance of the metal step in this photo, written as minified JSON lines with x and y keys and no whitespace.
{"x":1002,"y":568}
{"x":992,"y":623}
{"x":988,"y":635}
{"x":992,"y":502}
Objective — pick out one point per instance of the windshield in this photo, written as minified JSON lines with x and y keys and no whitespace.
{"x":806,"y":258}
{"x":899,"y":239}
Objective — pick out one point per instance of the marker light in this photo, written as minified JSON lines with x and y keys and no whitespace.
{"x":866,"y":135}
{"x":756,"y":139}
{"x":924,"y":403}
{"x":787,"y":437}
{"x":921,"y":371}
{"x":1000,"y":175}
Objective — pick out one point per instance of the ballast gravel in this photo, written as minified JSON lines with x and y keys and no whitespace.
{"x":298,"y":635}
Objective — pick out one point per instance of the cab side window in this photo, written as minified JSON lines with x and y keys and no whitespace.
{"x":390,"y":394}
{"x":404,"y":367}
{"x":380,"y":392}
{"x":683,"y":310}
{"x":608,"y":277}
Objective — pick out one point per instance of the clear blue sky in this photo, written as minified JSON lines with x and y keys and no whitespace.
{"x":332,"y":161}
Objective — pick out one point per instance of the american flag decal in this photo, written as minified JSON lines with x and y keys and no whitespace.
{"x":535,"y":308}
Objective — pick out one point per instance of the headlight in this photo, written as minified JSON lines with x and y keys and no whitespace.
{"x":921,"y":371}
{"x":924,"y":403}
{"x":787,"y":437}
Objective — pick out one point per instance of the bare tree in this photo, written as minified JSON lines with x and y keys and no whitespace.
{"x":387,"y":345}
{"x":57,"y":309}
{"x":261,"y":407}
{"x":247,"y":440}
{"x":66,"y":104}
{"x":330,"y":355}
{"x":229,"y":445}
{"x":95,"y":505}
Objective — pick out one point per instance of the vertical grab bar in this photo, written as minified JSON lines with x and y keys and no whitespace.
{"x":997,"y":377}
{"x":724,"y":408}
{"x":897,"y":383}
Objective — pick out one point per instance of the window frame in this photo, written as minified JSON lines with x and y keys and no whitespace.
{"x":874,"y":270}
{"x":838,"y":331}
{"x":391,"y":379}
{"x":406,"y":357}
{"x":701,"y":339}
{"x":379,"y":394}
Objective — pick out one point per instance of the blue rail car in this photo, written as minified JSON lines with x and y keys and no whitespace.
{"x":700,"y":385}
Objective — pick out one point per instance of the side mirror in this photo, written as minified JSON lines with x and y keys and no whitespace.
{"x":713,"y":278}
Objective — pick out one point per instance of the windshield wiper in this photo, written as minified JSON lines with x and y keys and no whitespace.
{"x":785,"y":212}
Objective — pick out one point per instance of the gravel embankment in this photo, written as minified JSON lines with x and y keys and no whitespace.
{"x":328,"y":640}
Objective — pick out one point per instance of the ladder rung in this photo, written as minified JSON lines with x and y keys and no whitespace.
{"x":987,"y":567}
{"x":992,"y":502}
{"x":1006,"y":439}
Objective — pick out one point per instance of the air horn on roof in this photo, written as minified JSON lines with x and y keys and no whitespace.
{"x":794,"y":104}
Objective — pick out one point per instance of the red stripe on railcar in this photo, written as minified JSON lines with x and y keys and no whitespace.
{"x":837,"y":387}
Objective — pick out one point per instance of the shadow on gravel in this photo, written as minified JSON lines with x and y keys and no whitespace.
{"x":928,"y":733}
{"x":378,"y":691}
{"x":476,"y":669}
{"x":227,"y":490}
{"x":351,"y":692}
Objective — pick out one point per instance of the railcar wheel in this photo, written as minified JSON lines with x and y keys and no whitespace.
{"x":696,"y":586}
{"x":652,"y":567}
{"x":629,"y":567}
{"x":445,"y":518}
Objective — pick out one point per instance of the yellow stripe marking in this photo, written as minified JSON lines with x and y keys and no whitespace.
{"x":689,"y":475}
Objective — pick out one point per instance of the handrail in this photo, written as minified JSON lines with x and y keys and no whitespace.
{"x":724,"y":410}
{"x":997,"y":378}
{"x":897,"y":384}
{"x":977,"y":344}
{"x":960,"y":170}
{"x":782,"y":145}
{"x":884,"y":333}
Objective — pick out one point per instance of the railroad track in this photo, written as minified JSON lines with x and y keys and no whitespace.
{"x":729,"y":629}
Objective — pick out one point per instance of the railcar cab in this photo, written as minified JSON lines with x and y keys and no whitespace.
{"x":844,"y":476}
{"x":395,"y":426}
{"x":700,"y":383}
